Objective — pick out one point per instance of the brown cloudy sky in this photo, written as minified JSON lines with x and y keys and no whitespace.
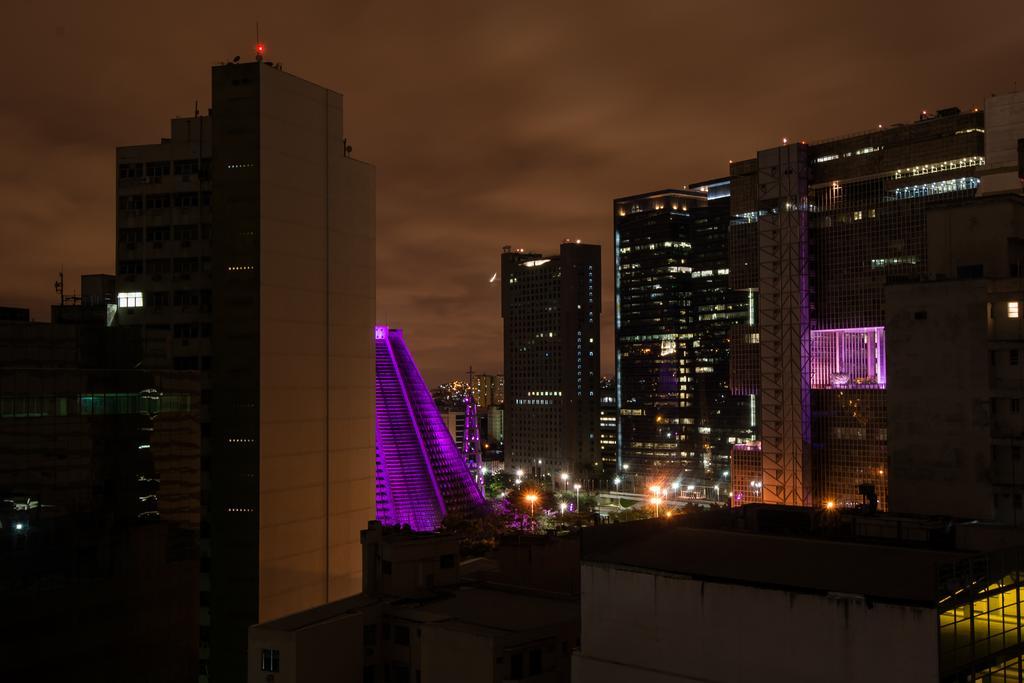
{"x":490,"y":123}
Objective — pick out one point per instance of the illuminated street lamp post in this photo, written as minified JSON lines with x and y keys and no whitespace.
{"x":531,"y":498}
{"x":577,"y":487}
{"x":656,"y":502}
{"x":562,"y":506}
{"x":565,"y":480}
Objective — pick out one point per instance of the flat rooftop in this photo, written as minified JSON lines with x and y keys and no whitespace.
{"x":468,"y":606}
{"x":885,"y":573}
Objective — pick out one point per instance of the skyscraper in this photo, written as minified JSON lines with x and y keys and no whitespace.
{"x":673,"y":317}
{"x":818,"y":230}
{"x":249,"y":234}
{"x":551,"y":308}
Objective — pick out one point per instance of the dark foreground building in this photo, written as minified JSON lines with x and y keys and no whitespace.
{"x":804,"y":594}
{"x":426,"y":616}
{"x":99,"y":507}
{"x":674,"y":313}
{"x":248,"y":236}
{"x":551,"y":306}
{"x":954,"y":344}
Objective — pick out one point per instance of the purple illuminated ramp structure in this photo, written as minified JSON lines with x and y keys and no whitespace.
{"x":421,"y":476}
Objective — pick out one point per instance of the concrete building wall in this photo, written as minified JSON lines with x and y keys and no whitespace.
{"x":986,"y":236}
{"x":1004,"y":127}
{"x":646,"y":627}
{"x":939,"y":420}
{"x":316,"y":305}
{"x":475,"y":660}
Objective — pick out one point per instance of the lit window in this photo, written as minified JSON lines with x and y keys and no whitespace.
{"x":1012,"y":309}
{"x":129,"y":299}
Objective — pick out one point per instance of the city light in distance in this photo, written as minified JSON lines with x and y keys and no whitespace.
{"x":830,"y":505}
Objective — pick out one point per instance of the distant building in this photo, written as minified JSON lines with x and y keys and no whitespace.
{"x":806,"y":595}
{"x":954,"y":343}
{"x":99,"y":505}
{"x":248,"y":235}
{"x":455,"y":421}
{"x":609,"y":417}
{"x":488,"y":390}
{"x":496,"y":423}
{"x":673,"y":318}
{"x":425,"y":616}
{"x":551,"y":308}
{"x":422,"y":476}
{"x":817,"y":232}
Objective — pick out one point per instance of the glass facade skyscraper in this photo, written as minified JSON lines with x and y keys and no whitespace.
{"x":673,"y":316}
{"x":818,"y":231}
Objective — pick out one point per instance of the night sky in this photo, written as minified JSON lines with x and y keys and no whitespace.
{"x":489,"y":123}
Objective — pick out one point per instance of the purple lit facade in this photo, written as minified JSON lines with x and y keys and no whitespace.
{"x":848,"y":358}
{"x":421,"y":476}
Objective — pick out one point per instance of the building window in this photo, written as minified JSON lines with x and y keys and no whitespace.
{"x":516,"y":666}
{"x":1012,"y":309}
{"x":129,"y":299}
{"x":270,"y":660}
{"x":535,"y":662}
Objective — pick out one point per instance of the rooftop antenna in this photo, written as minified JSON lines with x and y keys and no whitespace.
{"x":58,"y":286}
{"x":260,"y":47}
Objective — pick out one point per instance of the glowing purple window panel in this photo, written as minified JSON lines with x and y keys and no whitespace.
{"x":848,"y":358}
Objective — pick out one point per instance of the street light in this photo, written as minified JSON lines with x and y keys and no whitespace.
{"x":565,"y":478}
{"x":577,"y":487}
{"x":656,"y":502}
{"x":519,"y":473}
{"x":531,"y":498}
{"x":617,"y":481}
{"x":562,"y":506}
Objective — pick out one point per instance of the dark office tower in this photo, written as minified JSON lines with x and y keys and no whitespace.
{"x":249,"y":235}
{"x":674,"y":312}
{"x":99,"y":506}
{"x":551,"y":307}
{"x":818,"y":230}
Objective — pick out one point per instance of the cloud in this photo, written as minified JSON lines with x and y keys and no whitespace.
{"x":490,"y":124}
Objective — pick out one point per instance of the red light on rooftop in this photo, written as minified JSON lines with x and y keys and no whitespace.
{"x":260,"y":47}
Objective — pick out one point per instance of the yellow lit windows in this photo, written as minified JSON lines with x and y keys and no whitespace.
{"x":1012,"y":309}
